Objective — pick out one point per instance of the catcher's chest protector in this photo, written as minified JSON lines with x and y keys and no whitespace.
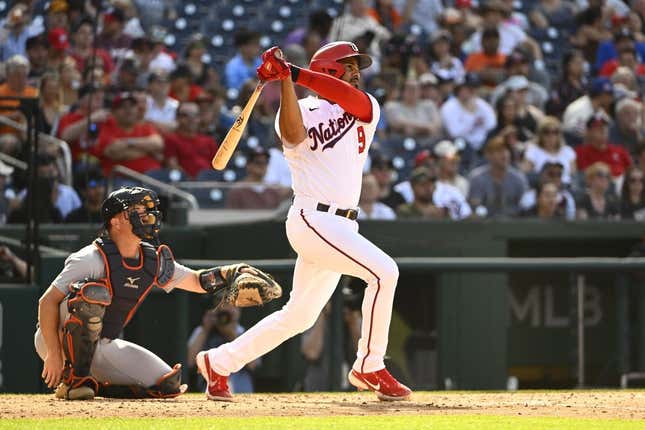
{"x":129,"y":284}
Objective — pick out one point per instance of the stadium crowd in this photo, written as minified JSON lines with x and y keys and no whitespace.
{"x":496,"y":108}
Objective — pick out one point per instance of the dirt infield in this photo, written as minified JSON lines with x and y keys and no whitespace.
{"x":580,"y":404}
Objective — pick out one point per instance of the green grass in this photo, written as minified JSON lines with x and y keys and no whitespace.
{"x":463,"y":422}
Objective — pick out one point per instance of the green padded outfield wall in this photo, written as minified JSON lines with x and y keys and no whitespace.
{"x":470,"y":330}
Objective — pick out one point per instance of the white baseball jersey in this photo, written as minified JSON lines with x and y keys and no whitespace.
{"x":328,"y":165}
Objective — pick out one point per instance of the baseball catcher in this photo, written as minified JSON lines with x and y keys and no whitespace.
{"x":83,"y":312}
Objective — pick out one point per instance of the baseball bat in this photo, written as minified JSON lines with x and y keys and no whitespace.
{"x":226,"y":149}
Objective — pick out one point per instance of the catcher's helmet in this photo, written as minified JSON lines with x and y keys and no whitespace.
{"x":146,"y":227}
{"x":327,"y":59}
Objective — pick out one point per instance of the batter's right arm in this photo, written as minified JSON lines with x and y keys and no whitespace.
{"x":292,"y":127}
{"x":48,"y":319}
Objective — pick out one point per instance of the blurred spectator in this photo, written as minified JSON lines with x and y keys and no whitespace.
{"x":626,"y":58}
{"x":356,"y":22}
{"x":467,"y":116}
{"x":640,"y":155}
{"x":319,"y":22}
{"x":489,"y":62}
{"x":558,"y":14}
{"x":448,"y":166}
{"x":627,"y":130}
{"x":126,"y":141}
{"x":7,"y":193}
{"x":71,"y":81}
{"x":385,"y":14}
{"x":58,"y":45}
{"x":599,"y":99}
{"x":278,"y":170}
{"x":552,"y":173}
{"x":590,"y":30}
{"x":161,"y":110}
{"x":383,"y":170}
{"x":546,"y":207}
{"x":442,"y":62}
{"x":112,"y":39}
{"x":496,"y":188}
{"x":36,"y":47}
{"x":632,"y":196}
{"x":518,"y":70}
{"x":425,"y":13}
{"x":65,"y":197}
{"x":598,"y":202}
{"x":214,"y":117}
{"x":91,"y":184}
{"x":127,"y":75}
{"x":318,"y":339}
{"x":82,"y":47}
{"x":370,"y":207}
{"x":56,"y":16}
{"x":15,"y":85}
{"x":51,"y":104}
{"x":609,"y":49}
{"x":430,"y":89}
{"x":423,"y":188}
{"x":220,"y":325}
{"x":74,"y":129}
{"x":571,"y":86}
{"x":132,"y":25}
{"x":161,"y":60}
{"x":494,"y":15}
{"x":596,"y":147}
{"x":15,"y":32}
{"x":12,"y":145}
{"x":242,"y":66}
{"x":202,"y":74}
{"x":44,"y":210}
{"x":12,"y":267}
{"x":508,"y":120}
{"x":252,"y":193}
{"x":182,"y":87}
{"x":424,"y":158}
{"x":141,"y":55}
{"x":186,"y":149}
{"x":412,"y":116}
{"x":549,"y":146}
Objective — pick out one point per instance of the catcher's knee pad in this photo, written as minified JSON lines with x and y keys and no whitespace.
{"x":82,"y":329}
{"x":168,"y":386}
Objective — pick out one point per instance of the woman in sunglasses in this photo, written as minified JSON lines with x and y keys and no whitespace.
{"x":550,"y":147}
{"x":598,"y":202}
{"x":632,"y":205}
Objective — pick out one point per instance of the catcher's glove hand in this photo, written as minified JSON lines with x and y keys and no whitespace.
{"x":240,"y":285}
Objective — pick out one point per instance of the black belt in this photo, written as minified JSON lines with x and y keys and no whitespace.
{"x":345,"y":213}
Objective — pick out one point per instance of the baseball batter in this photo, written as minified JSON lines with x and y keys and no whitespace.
{"x":326,"y":140}
{"x":83,"y":312}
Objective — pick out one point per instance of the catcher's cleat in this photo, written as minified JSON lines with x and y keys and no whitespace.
{"x":216,"y":384}
{"x":79,"y":393}
{"x":382,"y":383}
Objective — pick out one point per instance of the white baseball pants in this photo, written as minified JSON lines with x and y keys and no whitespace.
{"x":327,"y":245}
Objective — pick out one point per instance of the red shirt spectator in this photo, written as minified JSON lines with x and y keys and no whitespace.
{"x":596,"y":148}
{"x":73,"y":126}
{"x":128,"y":142}
{"x":186,"y":149}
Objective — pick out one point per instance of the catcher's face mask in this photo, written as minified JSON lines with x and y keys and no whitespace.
{"x":145,"y":217}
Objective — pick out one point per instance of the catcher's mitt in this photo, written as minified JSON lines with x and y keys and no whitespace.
{"x":241,"y":285}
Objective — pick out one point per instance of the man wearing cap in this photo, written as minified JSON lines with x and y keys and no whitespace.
{"x":496,"y":188}
{"x":468,"y":116}
{"x":448,"y":166}
{"x":74,"y":129}
{"x":252,"y":193}
{"x":186,"y":149}
{"x":92,"y":187}
{"x":58,"y":45}
{"x":127,"y":141}
{"x":356,"y":22}
{"x":596,"y":148}
{"x":432,"y":199}
{"x":112,"y":38}
{"x":599,"y":99}
{"x":161,"y":109}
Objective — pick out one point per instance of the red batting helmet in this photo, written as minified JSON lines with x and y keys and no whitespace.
{"x":327,"y":59}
